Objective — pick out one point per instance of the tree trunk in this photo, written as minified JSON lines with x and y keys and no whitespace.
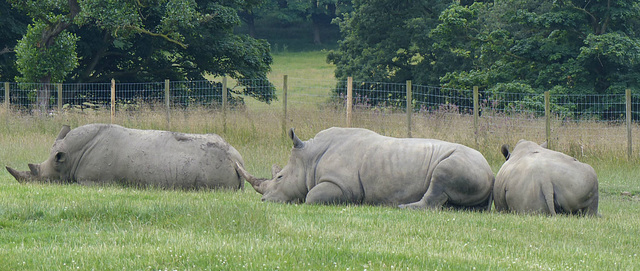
{"x":316,"y":20}
{"x":98,"y":57}
{"x":44,"y":93}
{"x":251,"y":24}
{"x":48,"y":39}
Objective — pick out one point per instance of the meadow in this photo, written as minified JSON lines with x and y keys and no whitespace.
{"x":71,"y":227}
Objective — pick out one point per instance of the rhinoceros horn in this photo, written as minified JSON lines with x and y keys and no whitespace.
{"x":257,"y":183}
{"x":21,"y":176}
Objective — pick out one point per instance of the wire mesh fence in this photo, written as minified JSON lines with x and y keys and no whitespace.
{"x":577,"y":121}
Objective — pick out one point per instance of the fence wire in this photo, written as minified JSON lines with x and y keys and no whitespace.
{"x":367,"y":96}
{"x":376,"y":105}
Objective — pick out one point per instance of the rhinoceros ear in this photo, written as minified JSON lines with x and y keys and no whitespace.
{"x":61,"y":157}
{"x":505,"y":151}
{"x":297,"y":143}
{"x":544,"y":145}
{"x":63,"y":132}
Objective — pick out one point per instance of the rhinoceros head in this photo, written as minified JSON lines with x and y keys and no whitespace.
{"x":49,"y":170}
{"x":286,"y":184}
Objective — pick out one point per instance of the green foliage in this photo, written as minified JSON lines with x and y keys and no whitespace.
{"x":142,"y":41}
{"x":568,"y":46}
{"x":388,"y":41}
{"x":36,"y":61}
{"x":314,"y":15}
{"x":13,"y":25}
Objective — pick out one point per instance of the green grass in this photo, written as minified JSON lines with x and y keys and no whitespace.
{"x":308,"y":65}
{"x":64,"y":227}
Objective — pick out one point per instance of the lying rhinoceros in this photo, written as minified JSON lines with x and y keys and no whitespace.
{"x":358,"y":166}
{"x":112,"y":154}
{"x":537,"y":180}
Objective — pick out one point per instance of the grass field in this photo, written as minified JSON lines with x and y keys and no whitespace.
{"x":70,"y":227}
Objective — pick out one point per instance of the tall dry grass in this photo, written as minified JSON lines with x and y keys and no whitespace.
{"x":261,"y":132}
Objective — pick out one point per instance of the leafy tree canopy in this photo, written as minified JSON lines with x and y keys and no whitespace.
{"x":290,"y":12}
{"x":142,"y":40}
{"x":388,"y":41}
{"x":13,"y":25}
{"x":563,"y":46}
{"x":517,"y":45}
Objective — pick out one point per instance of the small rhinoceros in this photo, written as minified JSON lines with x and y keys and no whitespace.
{"x":359,"y":166}
{"x":537,"y":180}
{"x":112,"y":154}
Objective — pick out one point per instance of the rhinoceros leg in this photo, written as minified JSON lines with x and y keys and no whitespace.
{"x":435,"y":198}
{"x":592,"y":210}
{"x":326,"y":193}
{"x":457,"y":182}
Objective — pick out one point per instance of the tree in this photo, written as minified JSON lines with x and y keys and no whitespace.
{"x":13,"y":25}
{"x":44,"y":59}
{"x":247,"y":12}
{"x":47,"y":50}
{"x":572,"y":47}
{"x":139,"y":41}
{"x":388,"y":41}
{"x":319,"y":12}
{"x":563,"y":46}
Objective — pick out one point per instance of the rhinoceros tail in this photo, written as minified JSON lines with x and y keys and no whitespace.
{"x":237,"y":164}
{"x":490,"y":201}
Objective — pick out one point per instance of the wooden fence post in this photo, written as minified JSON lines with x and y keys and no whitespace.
{"x":629,"y":145}
{"x":547,"y":114}
{"x":409,"y":107}
{"x":284,"y":104}
{"x":224,"y":104}
{"x":59,"y":97}
{"x":167,"y":99}
{"x":113,"y":100}
{"x":476,"y":114}
{"x":6,"y":95}
{"x":349,"y":99}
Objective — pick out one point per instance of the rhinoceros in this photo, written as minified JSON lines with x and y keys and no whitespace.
{"x":111,"y":154}
{"x":535,"y":179}
{"x":359,"y":166}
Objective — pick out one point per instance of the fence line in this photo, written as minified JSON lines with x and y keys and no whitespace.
{"x":356,"y":99}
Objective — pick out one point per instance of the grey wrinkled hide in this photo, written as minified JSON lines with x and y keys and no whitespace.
{"x":537,"y":180}
{"x":112,"y":154}
{"x":358,"y":166}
